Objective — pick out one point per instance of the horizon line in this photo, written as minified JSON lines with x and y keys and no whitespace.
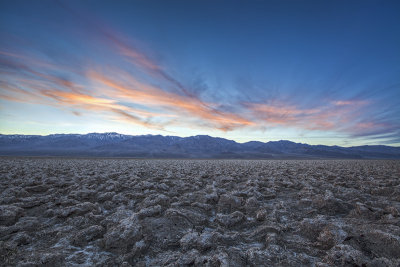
{"x":44,"y":135}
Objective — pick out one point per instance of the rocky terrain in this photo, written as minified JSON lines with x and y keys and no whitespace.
{"x":122,"y":212}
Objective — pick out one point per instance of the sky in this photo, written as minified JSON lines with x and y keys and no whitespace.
{"x":316,"y":72}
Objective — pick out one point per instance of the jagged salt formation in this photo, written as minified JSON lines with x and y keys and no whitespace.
{"x":88,"y":212}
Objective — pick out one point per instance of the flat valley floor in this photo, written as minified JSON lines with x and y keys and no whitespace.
{"x":126,"y":212}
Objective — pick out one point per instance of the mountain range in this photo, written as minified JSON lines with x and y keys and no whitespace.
{"x":158,"y":146}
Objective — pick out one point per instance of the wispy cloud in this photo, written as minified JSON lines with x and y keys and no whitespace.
{"x":132,"y":90}
{"x":153,"y":98}
{"x":43,"y":87}
{"x":118,"y":91}
{"x":345,"y":116}
{"x":48,"y":89}
{"x":130,"y":52}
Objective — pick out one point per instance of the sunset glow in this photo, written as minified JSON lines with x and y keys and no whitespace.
{"x":137,"y":70}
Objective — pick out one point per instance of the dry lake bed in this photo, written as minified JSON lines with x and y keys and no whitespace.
{"x":126,"y":212}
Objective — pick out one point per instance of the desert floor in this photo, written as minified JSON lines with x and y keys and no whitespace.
{"x":123,"y":212}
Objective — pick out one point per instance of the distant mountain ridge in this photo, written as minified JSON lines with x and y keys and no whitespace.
{"x":158,"y":146}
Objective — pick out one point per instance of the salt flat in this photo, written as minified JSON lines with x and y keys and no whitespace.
{"x":122,"y":212}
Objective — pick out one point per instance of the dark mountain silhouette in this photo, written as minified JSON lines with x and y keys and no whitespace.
{"x":157,"y":146}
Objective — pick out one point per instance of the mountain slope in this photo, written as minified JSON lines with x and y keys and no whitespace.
{"x":157,"y":146}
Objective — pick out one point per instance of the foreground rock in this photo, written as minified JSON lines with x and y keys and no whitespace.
{"x":103,"y":212}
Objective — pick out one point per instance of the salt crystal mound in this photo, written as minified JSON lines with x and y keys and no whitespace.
{"x":120,"y":212}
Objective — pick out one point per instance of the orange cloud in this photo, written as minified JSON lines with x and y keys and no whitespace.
{"x":31,"y":80}
{"x":340,"y":116}
{"x":136,"y":57}
{"x":145,"y":94}
{"x":45,"y":89}
{"x":279,"y":113}
{"x":88,"y":102}
{"x":141,"y":60}
{"x":350,"y":102}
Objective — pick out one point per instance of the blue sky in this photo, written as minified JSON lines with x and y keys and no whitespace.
{"x":317,"y":72}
